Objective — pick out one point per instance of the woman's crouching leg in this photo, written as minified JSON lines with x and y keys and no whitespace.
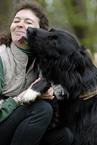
{"x":32,"y":128}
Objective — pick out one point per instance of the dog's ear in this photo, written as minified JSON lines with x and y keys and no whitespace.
{"x":78,"y":60}
{"x":75,"y":72}
{"x":52,"y":30}
{"x":82,"y":59}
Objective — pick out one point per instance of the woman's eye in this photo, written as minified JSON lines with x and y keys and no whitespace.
{"x":16,"y":21}
{"x":29,"y":22}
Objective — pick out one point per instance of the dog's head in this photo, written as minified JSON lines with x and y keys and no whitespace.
{"x":56,"y":44}
{"x":52,"y":43}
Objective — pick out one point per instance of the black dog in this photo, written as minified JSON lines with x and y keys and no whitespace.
{"x":64,"y":61}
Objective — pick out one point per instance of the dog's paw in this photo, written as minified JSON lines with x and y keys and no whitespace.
{"x":30,"y":95}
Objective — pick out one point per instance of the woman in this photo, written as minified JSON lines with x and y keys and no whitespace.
{"x":24,"y":124}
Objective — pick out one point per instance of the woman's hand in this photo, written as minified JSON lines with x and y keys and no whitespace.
{"x":48,"y":94}
{"x":21,"y":98}
{"x":30,"y":95}
{"x":18,"y":99}
{"x":34,"y":82}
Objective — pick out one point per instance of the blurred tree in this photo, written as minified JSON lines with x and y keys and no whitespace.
{"x":3,"y":14}
{"x":77,"y":16}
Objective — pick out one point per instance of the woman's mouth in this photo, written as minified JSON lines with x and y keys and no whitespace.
{"x":22,"y":39}
{"x":19,"y":32}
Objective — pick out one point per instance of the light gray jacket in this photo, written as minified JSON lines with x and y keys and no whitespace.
{"x":16,"y":79}
{"x":13,"y":77}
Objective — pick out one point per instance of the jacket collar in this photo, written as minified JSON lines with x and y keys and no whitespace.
{"x":18,"y":54}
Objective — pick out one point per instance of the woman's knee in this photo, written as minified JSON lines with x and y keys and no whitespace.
{"x":43,"y":110}
{"x":35,"y":124}
{"x":47,"y":110}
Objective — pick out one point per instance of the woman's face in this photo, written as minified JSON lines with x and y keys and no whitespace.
{"x":22,"y":20}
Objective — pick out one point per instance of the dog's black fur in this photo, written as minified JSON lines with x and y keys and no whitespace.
{"x":63,"y":60}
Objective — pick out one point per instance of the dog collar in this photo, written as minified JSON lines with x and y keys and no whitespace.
{"x":88,"y":95}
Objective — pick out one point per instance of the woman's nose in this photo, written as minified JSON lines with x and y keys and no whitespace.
{"x":20,"y":24}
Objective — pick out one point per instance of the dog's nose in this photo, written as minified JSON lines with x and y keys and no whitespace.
{"x":29,"y":29}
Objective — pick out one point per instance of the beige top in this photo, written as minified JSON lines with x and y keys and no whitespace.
{"x":15,"y":76}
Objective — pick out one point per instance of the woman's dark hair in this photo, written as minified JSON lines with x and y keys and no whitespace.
{"x":38,"y":11}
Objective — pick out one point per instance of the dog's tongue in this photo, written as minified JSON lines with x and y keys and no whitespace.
{"x":21,"y":39}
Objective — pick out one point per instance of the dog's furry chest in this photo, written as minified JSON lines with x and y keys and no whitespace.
{"x":58,"y":91}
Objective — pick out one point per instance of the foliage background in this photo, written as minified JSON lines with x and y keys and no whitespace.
{"x":77,"y":16}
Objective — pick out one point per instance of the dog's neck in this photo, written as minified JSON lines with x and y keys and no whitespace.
{"x":88,"y":95}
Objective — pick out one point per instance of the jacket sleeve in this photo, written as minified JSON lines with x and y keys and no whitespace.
{"x":1,"y":76}
{"x":9,"y":104}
